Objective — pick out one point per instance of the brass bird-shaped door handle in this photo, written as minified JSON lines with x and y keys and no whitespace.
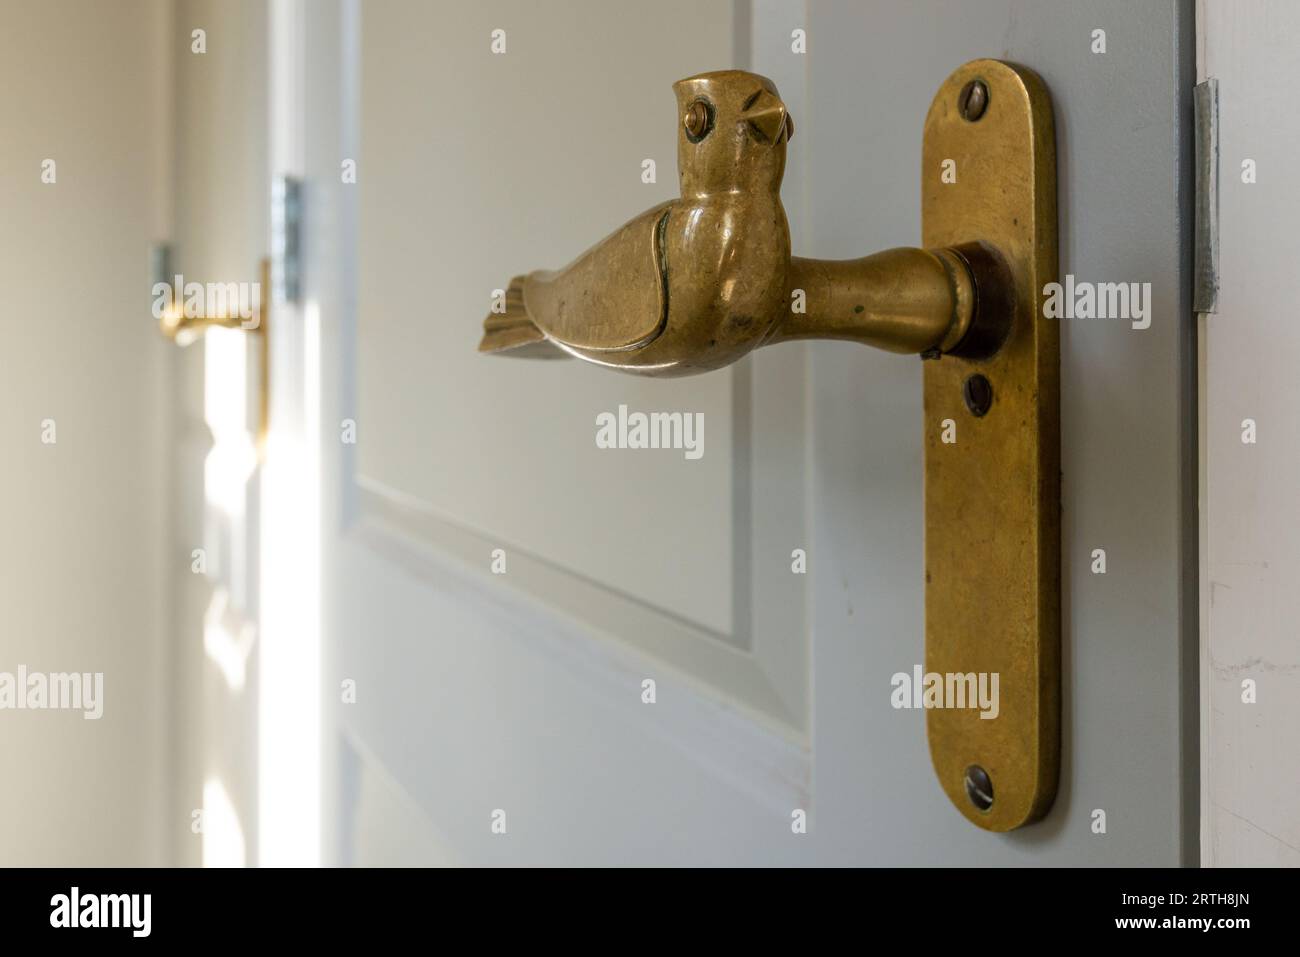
{"x":694,"y":284}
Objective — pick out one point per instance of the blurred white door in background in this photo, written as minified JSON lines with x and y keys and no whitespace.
{"x":218,"y":147}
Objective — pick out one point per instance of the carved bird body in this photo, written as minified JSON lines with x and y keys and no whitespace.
{"x":689,"y":285}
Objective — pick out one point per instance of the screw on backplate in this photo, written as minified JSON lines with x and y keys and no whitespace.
{"x":979,"y":788}
{"x":978,"y":393}
{"x":974,"y":100}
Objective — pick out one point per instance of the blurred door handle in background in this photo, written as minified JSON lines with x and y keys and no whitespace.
{"x":182,"y":319}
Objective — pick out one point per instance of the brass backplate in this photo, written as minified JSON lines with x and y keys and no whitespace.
{"x":992,"y":481}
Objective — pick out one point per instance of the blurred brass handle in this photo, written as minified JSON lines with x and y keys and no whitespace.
{"x":698,"y":282}
{"x":184,"y":329}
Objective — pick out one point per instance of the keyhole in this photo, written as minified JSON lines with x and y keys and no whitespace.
{"x":978,"y":393}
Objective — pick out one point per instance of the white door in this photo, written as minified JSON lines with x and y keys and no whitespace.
{"x":539,"y":651}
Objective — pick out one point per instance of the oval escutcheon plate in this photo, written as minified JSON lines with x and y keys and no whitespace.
{"x":992,"y":480}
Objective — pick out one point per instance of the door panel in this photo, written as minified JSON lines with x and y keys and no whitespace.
{"x":653,"y":549}
{"x":488,"y":169}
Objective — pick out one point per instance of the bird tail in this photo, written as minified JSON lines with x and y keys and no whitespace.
{"x":513,"y":333}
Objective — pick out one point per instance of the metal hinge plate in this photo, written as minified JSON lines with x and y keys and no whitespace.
{"x":1205,"y":104}
{"x":286,"y":238}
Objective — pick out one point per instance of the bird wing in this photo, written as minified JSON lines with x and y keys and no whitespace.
{"x":613,"y":297}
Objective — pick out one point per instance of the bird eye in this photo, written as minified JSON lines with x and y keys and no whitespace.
{"x":698,"y":120}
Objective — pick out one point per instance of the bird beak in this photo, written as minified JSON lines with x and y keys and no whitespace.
{"x":768,"y":118}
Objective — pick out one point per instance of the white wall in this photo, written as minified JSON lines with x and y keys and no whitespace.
{"x":1250,"y":585}
{"x":81,"y":564}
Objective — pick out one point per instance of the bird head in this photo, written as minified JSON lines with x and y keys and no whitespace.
{"x":732,"y":132}
{"x":689,"y":285}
